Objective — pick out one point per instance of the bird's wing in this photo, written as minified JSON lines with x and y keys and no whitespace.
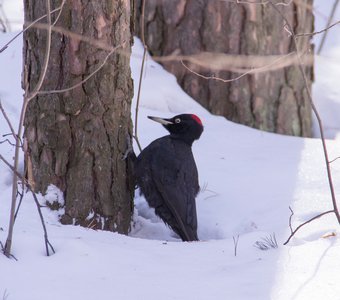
{"x":176,"y":180}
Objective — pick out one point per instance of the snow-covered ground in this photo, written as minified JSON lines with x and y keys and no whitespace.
{"x":249,"y":179}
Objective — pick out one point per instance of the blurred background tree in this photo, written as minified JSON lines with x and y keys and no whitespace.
{"x":274,"y":101}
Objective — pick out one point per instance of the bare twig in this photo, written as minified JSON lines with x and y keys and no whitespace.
{"x":260,"y":2}
{"x":333,"y":160}
{"x":7,"y":120}
{"x":330,"y":19}
{"x":29,"y":25}
{"x":265,"y":2}
{"x":21,"y":194}
{"x":59,"y":14}
{"x":27,"y":98}
{"x":12,"y":168}
{"x":318,"y":32}
{"x":3,"y":251}
{"x":138,"y":99}
{"x":209,"y":60}
{"x":300,"y":65}
{"x":237,"y":63}
{"x":47,"y":242}
{"x":303,"y":224}
{"x":250,"y":71}
{"x":140,"y":76}
{"x":15,"y":137}
{"x":142,"y":23}
{"x":329,"y":174}
{"x":84,"y":80}
{"x":100,"y":44}
{"x":9,"y":142}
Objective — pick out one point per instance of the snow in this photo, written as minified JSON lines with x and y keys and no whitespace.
{"x":248,"y":178}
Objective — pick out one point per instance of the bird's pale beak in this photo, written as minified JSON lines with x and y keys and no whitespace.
{"x":160,"y":120}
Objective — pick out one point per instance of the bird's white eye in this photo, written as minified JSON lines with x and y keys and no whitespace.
{"x":178,"y":120}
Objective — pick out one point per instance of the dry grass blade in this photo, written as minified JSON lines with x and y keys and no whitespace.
{"x":267,"y":243}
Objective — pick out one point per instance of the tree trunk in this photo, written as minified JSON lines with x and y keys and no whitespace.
{"x":275,"y":101}
{"x":76,"y":139}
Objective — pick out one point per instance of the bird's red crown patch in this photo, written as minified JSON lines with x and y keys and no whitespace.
{"x":197,"y":119}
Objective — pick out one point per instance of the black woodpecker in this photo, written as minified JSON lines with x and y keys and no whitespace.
{"x":167,"y":175}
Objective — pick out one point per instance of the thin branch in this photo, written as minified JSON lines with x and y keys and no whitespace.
{"x":29,"y":25}
{"x":251,"y":71}
{"x":140,"y":75}
{"x":3,"y":251}
{"x":260,"y":2}
{"x":47,"y":242}
{"x":27,"y":98}
{"x":333,"y":160}
{"x":143,"y":23}
{"x":76,"y":36}
{"x":12,"y":169}
{"x":318,"y":32}
{"x":138,"y":99}
{"x":330,"y":19}
{"x":59,"y":14}
{"x":20,"y":202}
{"x":209,"y":60}
{"x":300,"y":65}
{"x":237,"y":63}
{"x":84,"y":80}
{"x":15,"y":137}
{"x":9,"y":142}
{"x":303,"y":224}
{"x":7,"y":120}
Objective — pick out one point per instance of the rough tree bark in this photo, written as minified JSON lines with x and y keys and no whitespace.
{"x":272,"y":101}
{"x":76,"y":139}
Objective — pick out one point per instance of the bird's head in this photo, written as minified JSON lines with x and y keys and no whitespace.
{"x":186,"y":127}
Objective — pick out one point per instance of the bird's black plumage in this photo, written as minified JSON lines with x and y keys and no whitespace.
{"x":167,"y":174}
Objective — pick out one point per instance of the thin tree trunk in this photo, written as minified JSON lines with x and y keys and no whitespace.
{"x":76,"y":139}
{"x":274,"y":101}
